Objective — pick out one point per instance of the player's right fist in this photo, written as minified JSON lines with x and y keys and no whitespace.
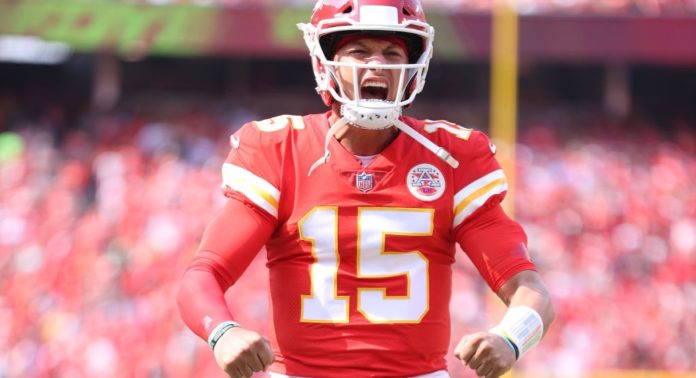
{"x":241,"y":352}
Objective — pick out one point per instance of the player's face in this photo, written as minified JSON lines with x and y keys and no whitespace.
{"x":374,"y":83}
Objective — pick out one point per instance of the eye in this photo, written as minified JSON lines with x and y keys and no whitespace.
{"x":394,"y":54}
{"x":357,"y":51}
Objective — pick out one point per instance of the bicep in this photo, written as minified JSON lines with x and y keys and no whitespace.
{"x":233,"y":238}
{"x":495,"y":244}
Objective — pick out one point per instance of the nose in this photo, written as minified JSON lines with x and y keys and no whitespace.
{"x":374,"y":60}
{"x":373,"y":66}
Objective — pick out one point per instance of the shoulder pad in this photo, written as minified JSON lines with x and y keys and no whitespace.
{"x":279,"y":123}
{"x":432,"y":127}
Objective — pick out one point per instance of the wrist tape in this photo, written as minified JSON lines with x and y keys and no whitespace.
{"x":219,"y":330}
{"x":522,"y":328}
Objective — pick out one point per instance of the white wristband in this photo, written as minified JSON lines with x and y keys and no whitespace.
{"x":219,"y":331}
{"x":522,"y":326}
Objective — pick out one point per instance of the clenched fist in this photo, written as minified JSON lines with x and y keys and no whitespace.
{"x":486,"y":353}
{"x":241,"y":352}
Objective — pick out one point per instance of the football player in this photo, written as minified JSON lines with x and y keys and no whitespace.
{"x":360,"y":209}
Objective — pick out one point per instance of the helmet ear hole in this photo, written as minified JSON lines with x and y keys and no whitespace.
{"x":348,"y":10}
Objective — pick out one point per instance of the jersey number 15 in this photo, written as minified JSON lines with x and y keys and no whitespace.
{"x":324,"y":305}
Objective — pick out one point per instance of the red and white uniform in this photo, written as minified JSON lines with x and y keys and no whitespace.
{"x":360,"y":258}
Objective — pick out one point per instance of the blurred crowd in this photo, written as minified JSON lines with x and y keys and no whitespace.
{"x":98,"y":220}
{"x":645,"y":7}
{"x":612,"y":224}
{"x":96,"y":227}
{"x":578,"y":7}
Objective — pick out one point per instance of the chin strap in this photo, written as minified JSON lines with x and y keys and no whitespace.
{"x":427,"y":143}
{"x":371,"y":118}
{"x":329,"y":134}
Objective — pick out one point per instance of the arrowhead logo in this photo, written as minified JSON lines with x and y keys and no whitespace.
{"x":426,"y":182}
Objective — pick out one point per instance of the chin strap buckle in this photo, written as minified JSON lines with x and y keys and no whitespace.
{"x":371,"y":118}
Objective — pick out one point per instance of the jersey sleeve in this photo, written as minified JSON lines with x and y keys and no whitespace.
{"x":479,"y":181}
{"x":252,"y":170}
{"x":220,"y":260}
{"x":496,"y":244}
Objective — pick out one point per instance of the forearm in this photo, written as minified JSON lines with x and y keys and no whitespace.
{"x":231,"y":241}
{"x":530,"y":312}
{"x":534,"y":295}
{"x":201,"y":301}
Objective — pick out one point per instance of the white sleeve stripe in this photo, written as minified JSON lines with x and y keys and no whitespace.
{"x":478,"y":202}
{"x":256,"y":189}
{"x":476,"y":185}
{"x":256,"y":199}
{"x":230,"y":170}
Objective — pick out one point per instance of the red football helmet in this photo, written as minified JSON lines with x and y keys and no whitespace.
{"x":333,"y":19}
{"x":405,"y":19}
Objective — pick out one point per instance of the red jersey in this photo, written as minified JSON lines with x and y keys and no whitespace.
{"x":360,"y":258}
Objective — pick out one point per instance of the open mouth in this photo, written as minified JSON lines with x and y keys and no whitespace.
{"x":374,"y":91}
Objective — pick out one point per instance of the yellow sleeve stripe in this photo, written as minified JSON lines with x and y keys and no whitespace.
{"x":474,"y":195}
{"x":256,"y":189}
{"x":477,"y":184}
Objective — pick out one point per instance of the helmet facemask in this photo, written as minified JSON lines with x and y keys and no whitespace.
{"x":361,"y":112}
{"x":404,"y":19}
{"x":366,"y":105}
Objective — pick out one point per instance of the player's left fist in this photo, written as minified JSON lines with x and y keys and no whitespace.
{"x":242,"y":352}
{"x":485,"y":353}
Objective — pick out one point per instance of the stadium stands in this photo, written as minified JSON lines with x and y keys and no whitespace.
{"x":97,"y":223}
{"x":577,"y":7}
{"x":574,"y":7}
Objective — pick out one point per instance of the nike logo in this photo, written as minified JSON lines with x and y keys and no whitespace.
{"x":234,"y":141}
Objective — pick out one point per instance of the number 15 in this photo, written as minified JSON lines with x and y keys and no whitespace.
{"x":324,"y":305}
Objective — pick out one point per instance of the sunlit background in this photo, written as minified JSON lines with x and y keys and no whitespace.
{"x":114,"y":122}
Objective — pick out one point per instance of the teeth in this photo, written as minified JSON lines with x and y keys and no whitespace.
{"x":375,"y":85}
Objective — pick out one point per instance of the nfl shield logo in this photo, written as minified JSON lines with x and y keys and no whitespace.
{"x":363,"y":182}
